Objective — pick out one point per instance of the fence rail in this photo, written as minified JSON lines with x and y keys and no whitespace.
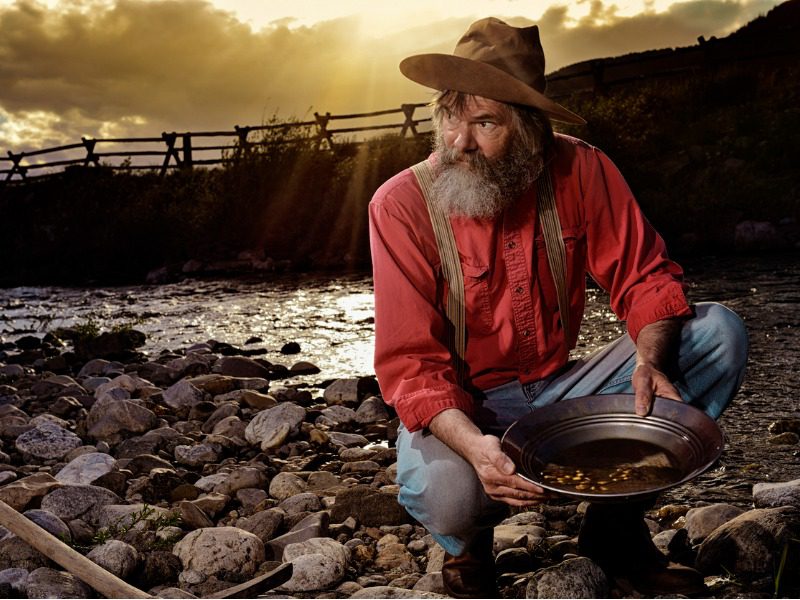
{"x":189,"y":149}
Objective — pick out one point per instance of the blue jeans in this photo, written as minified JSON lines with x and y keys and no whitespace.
{"x":441,"y":490}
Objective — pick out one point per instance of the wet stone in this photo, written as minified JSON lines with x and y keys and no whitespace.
{"x":47,"y":441}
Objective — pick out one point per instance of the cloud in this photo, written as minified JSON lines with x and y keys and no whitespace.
{"x":139,"y":67}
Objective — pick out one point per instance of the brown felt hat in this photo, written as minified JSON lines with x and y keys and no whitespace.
{"x":493,"y":60}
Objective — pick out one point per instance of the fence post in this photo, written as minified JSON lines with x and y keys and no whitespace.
{"x":408,"y":111}
{"x":17,"y":168}
{"x":322,"y":129}
{"x":187,"y":150}
{"x":243,"y":147}
{"x":169,"y":138}
{"x":90,"y":155}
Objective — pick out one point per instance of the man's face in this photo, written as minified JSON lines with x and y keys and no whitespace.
{"x":484,"y":126}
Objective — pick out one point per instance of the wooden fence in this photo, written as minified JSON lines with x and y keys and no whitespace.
{"x":186,"y":150}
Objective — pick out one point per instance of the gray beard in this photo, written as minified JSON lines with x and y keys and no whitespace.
{"x":487,"y":187}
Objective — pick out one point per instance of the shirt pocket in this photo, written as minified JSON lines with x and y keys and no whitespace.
{"x":575,"y":251}
{"x":477,"y":297}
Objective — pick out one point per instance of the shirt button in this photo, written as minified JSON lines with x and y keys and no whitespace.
{"x":511,"y":245}
{"x":526,"y":332}
{"x":519,"y":289}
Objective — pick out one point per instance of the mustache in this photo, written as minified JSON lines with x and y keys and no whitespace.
{"x":453,"y":156}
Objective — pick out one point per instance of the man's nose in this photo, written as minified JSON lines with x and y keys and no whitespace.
{"x":464,"y":141}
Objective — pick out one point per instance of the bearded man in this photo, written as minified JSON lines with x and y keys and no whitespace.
{"x":495,"y":158}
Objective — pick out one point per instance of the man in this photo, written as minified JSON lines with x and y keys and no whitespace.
{"x":495,"y":151}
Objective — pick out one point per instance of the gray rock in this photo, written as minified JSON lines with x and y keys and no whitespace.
{"x":241,"y":478}
{"x":18,"y":554}
{"x":84,"y":469}
{"x":182,"y":395}
{"x":17,"y":579}
{"x":700,"y":522}
{"x":115,"y":557}
{"x":109,"y":417}
{"x":313,"y":526}
{"x":750,"y":544}
{"x":363,"y":467}
{"x":18,"y":494}
{"x":372,"y":410}
{"x":342,"y":391}
{"x":323,"y":480}
{"x":385,"y":591}
{"x":130,"y":515}
{"x":49,"y":583}
{"x":336,"y":415}
{"x":773,"y":495}
{"x":372,"y":508}
{"x":79,"y":502}
{"x":264,"y":524}
{"x":129,"y":383}
{"x":305,"y":502}
{"x":240,"y":366}
{"x":47,"y":441}
{"x":573,"y":578}
{"x":192,"y":517}
{"x":313,"y":572}
{"x":430,"y":582}
{"x":348,"y":440}
{"x":209,"y":482}
{"x":286,"y":485}
{"x":221,"y":552}
{"x":319,"y":545}
{"x":49,"y":522}
{"x":271,"y":427}
{"x":197,"y":455}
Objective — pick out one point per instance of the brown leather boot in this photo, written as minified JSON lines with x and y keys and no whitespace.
{"x":472,"y":574}
{"x":616,"y":537}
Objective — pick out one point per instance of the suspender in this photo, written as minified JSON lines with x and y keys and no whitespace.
{"x":451,"y":265}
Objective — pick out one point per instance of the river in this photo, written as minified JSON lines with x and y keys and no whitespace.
{"x":330,"y":317}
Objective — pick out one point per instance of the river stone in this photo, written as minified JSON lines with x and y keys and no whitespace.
{"x":367,"y":467}
{"x":386,"y":591}
{"x":264,"y":524}
{"x":394,"y":556}
{"x":318,"y":545}
{"x":372,"y":410}
{"x":49,"y":583}
{"x":372,"y":508}
{"x":192,"y":517}
{"x":48,"y":418}
{"x":286,"y":485}
{"x":573,"y":578}
{"x":750,"y":544}
{"x":323,"y":480}
{"x":355,"y":454}
{"x":430,"y":582}
{"x":240,"y":366}
{"x":224,"y":410}
{"x":348,"y":391}
{"x":79,"y":502}
{"x":211,"y":503}
{"x":514,"y":536}
{"x":348,"y":440}
{"x":47,"y":441}
{"x":12,"y":371}
{"x":19,"y":493}
{"x":15,"y":553}
{"x":109,"y":417}
{"x":773,"y":495}
{"x":183,"y":395}
{"x":312,"y":572}
{"x":197,"y":455}
{"x":129,"y":515}
{"x":241,"y":478}
{"x":257,"y":400}
{"x":57,"y":385}
{"x":49,"y":522}
{"x":314,"y":525}
{"x":700,"y":522}
{"x":209,"y":482}
{"x":144,"y":463}
{"x":225,"y":552}
{"x":299,"y":503}
{"x":116,"y":557}
{"x":17,"y":579}
{"x":270,"y":427}
{"x":86,"y":468}
{"x":787,"y":438}
{"x":129,"y":383}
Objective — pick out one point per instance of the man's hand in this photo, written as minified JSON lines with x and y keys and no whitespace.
{"x":656,"y":347}
{"x":494,"y":468}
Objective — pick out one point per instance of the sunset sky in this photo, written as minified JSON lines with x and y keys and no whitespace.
{"x":114,"y":68}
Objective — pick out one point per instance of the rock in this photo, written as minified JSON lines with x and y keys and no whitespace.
{"x":304,"y":368}
{"x":394,"y":556}
{"x":49,"y":583}
{"x":271,"y":427}
{"x":137,"y":516}
{"x":241,"y":478}
{"x":47,"y":441}
{"x":109,"y":344}
{"x":319,"y":545}
{"x":116,"y":557}
{"x":348,"y":440}
{"x":323,"y":480}
{"x":17,"y":580}
{"x":256,"y":400}
{"x":305,"y":502}
{"x":86,"y":468}
{"x":109,"y":417}
{"x":160,"y":567}
{"x":385,"y":591}
{"x":313,"y":526}
{"x":787,"y":438}
{"x":784,"y":425}
{"x":342,"y":391}
{"x":79,"y":502}
{"x":514,"y":560}
{"x":756,"y":235}
{"x":240,"y":366}
{"x":228,"y":553}
{"x":192,"y":517}
{"x":751,"y":544}
{"x":183,"y":395}
{"x":514,"y":536}
{"x":573,"y":578}
{"x":286,"y":485}
{"x":290,"y":348}
{"x":19,"y":493}
{"x":336,"y":415}
{"x":318,"y":564}
{"x":372,"y":410}
{"x":264,"y":524}
{"x":365,"y":467}
{"x":197,"y":455}
{"x":700,"y":522}
{"x":773,"y":495}
{"x":371,"y":507}
{"x":18,"y":554}
{"x":430,"y":582}
{"x":49,"y":522}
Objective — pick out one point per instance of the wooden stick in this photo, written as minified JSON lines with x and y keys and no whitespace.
{"x":84,"y":569}
{"x":257,"y":585}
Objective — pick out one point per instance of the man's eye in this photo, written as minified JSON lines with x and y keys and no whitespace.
{"x":485,"y":124}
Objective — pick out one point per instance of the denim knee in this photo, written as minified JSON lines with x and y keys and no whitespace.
{"x":726,"y":331}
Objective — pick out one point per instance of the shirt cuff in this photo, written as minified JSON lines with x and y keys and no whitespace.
{"x":670,"y":303}
{"x":417,"y":409}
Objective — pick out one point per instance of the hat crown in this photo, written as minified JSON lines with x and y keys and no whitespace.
{"x":515,"y":50}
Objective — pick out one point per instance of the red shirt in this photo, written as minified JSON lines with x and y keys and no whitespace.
{"x":513,"y":329}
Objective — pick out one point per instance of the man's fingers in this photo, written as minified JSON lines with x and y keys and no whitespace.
{"x":643,"y":403}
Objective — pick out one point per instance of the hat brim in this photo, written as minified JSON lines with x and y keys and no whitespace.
{"x":448,"y":72}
